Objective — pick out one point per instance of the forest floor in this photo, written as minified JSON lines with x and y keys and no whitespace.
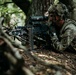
{"x":60,"y":63}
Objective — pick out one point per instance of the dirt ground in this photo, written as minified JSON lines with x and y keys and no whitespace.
{"x":60,"y":63}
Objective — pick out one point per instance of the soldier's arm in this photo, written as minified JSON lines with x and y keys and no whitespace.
{"x":65,"y":41}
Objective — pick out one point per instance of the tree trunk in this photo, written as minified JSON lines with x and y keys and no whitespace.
{"x":39,"y":7}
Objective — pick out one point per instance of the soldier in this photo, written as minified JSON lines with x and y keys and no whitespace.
{"x":62,"y":29}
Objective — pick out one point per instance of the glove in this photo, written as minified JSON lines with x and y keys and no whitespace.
{"x":53,"y":35}
{"x":52,"y":31}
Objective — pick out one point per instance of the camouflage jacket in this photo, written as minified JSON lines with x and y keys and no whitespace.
{"x":67,"y":37}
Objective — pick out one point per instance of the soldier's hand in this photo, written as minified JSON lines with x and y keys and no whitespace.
{"x":52,"y":31}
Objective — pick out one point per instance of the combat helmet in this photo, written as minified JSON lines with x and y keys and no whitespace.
{"x":59,"y":9}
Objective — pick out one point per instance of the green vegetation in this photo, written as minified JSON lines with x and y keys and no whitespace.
{"x":12,"y":14}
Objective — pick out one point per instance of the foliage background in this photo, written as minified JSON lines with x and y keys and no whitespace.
{"x":12,"y":14}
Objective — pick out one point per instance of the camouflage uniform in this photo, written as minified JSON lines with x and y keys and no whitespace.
{"x":73,"y":13}
{"x":67,"y":37}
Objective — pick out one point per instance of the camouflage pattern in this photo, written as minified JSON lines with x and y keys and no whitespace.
{"x":73,"y":14}
{"x":71,"y":5}
{"x":59,"y":9}
{"x":67,"y":37}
